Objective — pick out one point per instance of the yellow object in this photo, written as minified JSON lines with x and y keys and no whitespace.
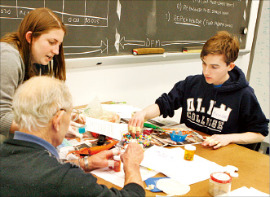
{"x":192,"y":51}
{"x":195,"y":49}
{"x":141,"y":51}
{"x":189,"y":152}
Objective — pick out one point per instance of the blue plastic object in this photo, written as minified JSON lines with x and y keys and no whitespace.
{"x":81,"y":129}
{"x":178,"y":137}
{"x":153,"y":181}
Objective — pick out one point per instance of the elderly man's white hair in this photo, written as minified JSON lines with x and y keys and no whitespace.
{"x":37,"y":100}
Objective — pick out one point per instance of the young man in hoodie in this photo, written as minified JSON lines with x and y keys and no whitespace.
{"x":218,"y":102}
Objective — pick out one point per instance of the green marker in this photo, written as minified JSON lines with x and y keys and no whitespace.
{"x":148,"y":125}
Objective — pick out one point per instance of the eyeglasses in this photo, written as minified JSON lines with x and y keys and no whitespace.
{"x":61,"y":109}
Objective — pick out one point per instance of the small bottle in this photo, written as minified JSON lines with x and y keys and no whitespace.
{"x":219,"y":183}
{"x":117,"y":168}
{"x":189,"y":152}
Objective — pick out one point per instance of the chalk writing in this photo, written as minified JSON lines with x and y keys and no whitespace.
{"x":114,"y":27}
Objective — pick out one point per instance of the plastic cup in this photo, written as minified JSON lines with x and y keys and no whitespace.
{"x":219,"y":184}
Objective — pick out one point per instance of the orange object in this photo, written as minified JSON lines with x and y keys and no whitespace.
{"x":189,"y":152}
{"x":142,"y":51}
{"x":95,"y":149}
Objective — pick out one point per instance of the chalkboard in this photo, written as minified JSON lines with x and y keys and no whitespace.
{"x":114,"y":27}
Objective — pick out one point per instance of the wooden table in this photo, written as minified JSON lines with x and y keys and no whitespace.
{"x":253,"y":169}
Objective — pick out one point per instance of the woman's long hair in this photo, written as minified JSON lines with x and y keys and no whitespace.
{"x":38,"y":21}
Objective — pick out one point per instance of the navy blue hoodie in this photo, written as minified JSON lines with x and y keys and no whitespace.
{"x":231,"y":108}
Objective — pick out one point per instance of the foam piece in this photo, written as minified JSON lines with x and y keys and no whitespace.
{"x":172,"y":187}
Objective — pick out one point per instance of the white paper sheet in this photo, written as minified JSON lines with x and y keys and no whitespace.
{"x":118,"y":178}
{"x":171,"y":163}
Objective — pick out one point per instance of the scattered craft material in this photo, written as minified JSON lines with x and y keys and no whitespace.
{"x":178,"y":137}
{"x":143,"y":139}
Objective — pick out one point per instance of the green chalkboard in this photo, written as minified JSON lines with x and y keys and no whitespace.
{"x":114,"y":27}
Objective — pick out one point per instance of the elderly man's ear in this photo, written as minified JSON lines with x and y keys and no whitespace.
{"x":56,"y":121}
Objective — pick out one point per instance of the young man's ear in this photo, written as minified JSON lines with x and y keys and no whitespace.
{"x":231,"y":66}
{"x":28,"y":36}
{"x":56,"y":121}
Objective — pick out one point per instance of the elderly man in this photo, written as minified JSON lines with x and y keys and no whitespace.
{"x":30,"y":164}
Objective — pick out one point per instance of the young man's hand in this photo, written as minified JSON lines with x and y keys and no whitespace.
{"x":217,"y":141}
{"x":135,"y":124}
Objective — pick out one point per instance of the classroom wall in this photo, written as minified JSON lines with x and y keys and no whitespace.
{"x":259,"y":76}
{"x":139,"y":84}
{"x":139,"y":80}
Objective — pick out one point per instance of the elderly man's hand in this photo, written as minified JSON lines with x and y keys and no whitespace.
{"x":133,"y":156}
{"x":101,"y":160}
{"x":132,"y":159}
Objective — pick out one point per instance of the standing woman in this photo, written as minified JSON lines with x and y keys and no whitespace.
{"x":35,"y":49}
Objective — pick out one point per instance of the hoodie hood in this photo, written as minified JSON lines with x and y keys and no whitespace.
{"x":236,"y":81}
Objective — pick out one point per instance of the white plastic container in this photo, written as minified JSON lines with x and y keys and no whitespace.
{"x":219,"y":183}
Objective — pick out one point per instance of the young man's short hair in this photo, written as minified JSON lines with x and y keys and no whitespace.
{"x":222,"y":43}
